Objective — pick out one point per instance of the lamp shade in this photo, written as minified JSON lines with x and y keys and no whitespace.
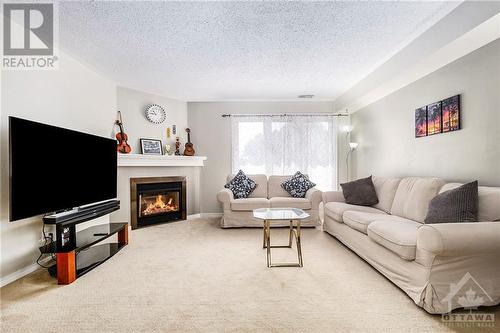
{"x":347,"y":128}
{"x":353,"y":145}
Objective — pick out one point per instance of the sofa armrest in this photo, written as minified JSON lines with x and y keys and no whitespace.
{"x":459,"y":239}
{"x":225,"y":196}
{"x":330,"y":196}
{"x":314,"y":196}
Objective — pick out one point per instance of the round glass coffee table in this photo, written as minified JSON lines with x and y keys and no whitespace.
{"x":270,"y":215}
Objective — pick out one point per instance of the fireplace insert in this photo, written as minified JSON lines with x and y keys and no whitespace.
{"x":157,"y":200}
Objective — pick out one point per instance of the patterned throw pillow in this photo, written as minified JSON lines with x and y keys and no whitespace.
{"x":241,"y":185}
{"x":298,"y":185}
{"x":457,"y":205}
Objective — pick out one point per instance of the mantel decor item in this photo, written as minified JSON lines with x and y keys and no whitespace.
{"x":155,"y":114}
{"x":438,"y":117}
{"x":122,"y":146}
{"x":168,"y":150}
{"x":177,"y":146}
{"x":151,"y":147}
{"x":188,"y":147}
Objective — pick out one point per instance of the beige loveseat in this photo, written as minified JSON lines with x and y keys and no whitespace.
{"x":435,"y":264}
{"x":268,"y":193}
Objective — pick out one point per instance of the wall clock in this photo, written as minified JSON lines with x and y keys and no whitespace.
{"x":155,"y":114}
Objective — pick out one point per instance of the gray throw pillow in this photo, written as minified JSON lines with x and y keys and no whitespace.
{"x":457,"y":205}
{"x":360,"y":192}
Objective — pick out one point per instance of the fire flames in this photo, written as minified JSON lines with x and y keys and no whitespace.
{"x":159,"y":206}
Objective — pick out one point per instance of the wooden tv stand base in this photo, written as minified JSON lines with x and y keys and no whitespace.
{"x":79,"y":261}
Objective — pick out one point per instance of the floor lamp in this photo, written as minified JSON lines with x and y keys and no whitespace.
{"x":352,"y":146}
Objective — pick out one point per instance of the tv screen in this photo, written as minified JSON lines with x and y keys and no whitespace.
{"x":53,"y":168}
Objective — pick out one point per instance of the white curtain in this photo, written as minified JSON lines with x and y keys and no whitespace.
{"x":282,"y":145}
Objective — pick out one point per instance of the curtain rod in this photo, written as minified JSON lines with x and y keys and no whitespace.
{"x":285,"y":115}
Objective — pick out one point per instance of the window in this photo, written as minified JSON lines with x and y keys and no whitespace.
{"x":282,"y":145}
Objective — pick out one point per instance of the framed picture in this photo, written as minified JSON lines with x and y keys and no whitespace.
{"x":421,"y":122}
{"x":451,"y":113}
{"x":151,"y":147}
{"x":434,"y":118}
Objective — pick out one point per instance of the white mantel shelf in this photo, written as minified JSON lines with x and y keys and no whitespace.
{"x":139,"y":160}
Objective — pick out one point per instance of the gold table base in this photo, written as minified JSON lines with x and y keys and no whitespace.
{"x":267,"y":244}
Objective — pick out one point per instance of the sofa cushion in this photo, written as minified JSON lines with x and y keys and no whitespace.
{"x":249,"y":204}
{"x":261,"y":190}
{"x":399,"y":237}
{"x":274,"y":188}
{"x":335,"y":210}
{"x":360,"y":192}
{"x":489,"y":197}
{"x":457,"y":205}
{"x":360,"y":220}
{"x":298,"y":185}
{"x":289,"y":202}
{"x":413,"y":196}
{"x":386,"y":190}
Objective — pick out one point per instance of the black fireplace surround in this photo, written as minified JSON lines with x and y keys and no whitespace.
{"x":157,"y":200}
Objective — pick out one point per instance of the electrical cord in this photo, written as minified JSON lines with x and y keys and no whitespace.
{"x":47,"y":240}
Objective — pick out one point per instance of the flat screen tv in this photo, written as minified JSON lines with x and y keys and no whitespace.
{"x":54,"y":169}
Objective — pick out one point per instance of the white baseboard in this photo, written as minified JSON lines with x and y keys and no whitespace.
{"x":212,"y":215}
{"x":203,"y":216}
{"x":5,"y":280}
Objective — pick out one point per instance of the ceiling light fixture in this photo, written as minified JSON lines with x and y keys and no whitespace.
{"x":305,"y":96}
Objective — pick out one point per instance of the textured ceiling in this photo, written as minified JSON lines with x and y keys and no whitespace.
{"x":199,"y":51}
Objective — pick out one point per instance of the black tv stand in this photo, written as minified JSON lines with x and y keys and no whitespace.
{"x":87,"y":212}
{"x":79,"y":252}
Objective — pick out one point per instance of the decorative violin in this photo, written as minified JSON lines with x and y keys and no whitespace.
{"x":188,"y":147}
{"x":122,"y":146}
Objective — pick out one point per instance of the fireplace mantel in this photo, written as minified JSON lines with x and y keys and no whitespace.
{"x":139,"y":160}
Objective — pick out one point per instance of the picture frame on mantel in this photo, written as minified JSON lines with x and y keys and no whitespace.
{"x":151,"y":147}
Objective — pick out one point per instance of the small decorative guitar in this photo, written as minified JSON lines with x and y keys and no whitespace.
{"x":188,"y":147}
{"x":122,"y":146}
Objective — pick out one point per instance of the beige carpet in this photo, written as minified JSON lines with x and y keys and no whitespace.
{"x":195,"y":277}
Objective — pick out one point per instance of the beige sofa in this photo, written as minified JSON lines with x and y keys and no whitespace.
{"x":435,"y":263}
{"x":268,"y":193}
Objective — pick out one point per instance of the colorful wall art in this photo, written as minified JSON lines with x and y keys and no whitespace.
{"x":434,"y":118}
{"x":451,"y":113}
{"x":438,"y":117}
{"x":421,"y":122}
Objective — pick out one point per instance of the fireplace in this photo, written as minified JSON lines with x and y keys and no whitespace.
{"x":157,"y":200}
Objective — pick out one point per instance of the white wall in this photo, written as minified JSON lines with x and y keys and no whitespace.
{"x":404,"y":64}
{"x":133,"y":103}
{"x":73,"y":97}
{"x":385,"y":129}
{"x":211,"y":136}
